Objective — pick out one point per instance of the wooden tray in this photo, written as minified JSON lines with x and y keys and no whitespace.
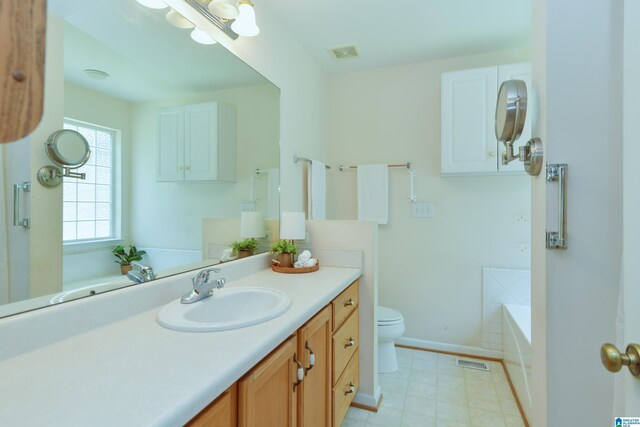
{"x":292,"y":270}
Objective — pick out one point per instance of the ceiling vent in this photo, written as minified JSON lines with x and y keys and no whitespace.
{"x":344,"y":52}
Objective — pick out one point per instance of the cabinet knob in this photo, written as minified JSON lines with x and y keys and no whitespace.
{"x":350,"y":302}
{"x":181,"y":168}
{"x":350,"y":343}
{"x":312,"y":356}
{"x":492,"y":153}
{"x":351,"y":388}
{"x":299,"y":372}
{"x":187,"y":168}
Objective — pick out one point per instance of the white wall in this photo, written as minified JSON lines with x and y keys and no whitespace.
{"x":430,"y":269}
{"x":179,"y":208}
{"x":583,"y":104}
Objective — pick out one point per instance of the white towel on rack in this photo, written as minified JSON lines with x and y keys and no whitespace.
{"x":317,"y":178}
{"x":273,"y":194}
{"x":373,"y":193}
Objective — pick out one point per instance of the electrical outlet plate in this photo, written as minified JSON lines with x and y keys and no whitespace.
{"x":423,"y":210}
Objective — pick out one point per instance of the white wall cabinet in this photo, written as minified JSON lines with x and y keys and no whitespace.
{"x":468,"y":142}
{"x":196,"y":143}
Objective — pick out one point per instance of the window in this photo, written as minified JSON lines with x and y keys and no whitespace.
{"x":89,"y":205}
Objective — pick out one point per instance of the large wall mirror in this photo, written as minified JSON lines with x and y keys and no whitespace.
{"x":183,"y":139}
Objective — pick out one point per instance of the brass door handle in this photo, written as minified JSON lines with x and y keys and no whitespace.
{"x":350,"y":343}
{"x":613,"y":360}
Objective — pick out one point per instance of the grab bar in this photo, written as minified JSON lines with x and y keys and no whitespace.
{"x":558,"y":240}
{"x":17,"y":222}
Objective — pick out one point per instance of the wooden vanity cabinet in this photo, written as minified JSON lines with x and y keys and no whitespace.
{"x":314,"y":397}
{"x":222,"y":412}
{"x":268,"y":393}
{"x":345,"y":342}
{"x":271,"y":394}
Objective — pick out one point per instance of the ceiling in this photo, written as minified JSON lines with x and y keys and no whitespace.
{"x":396,"y":32}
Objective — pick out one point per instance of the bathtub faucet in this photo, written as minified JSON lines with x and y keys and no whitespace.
{"x":145,"y":274}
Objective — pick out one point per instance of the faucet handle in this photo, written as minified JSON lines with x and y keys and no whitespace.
{"x":203,"y":276}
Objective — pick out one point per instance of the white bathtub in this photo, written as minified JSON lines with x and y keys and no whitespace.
{"x":516,"y":336}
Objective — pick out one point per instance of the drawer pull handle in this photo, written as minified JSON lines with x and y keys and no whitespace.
{"x":351,"y":343}
{"x":299,"y":372}
{"x":350,"y":302}
{"x":312,"y":356}
{"x":351,"y":389}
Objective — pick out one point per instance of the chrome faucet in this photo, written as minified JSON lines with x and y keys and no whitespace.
{"x":145,"y":274}
{"x":203,"y":287}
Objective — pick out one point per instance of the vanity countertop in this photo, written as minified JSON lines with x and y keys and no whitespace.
{"x":135,"y":372}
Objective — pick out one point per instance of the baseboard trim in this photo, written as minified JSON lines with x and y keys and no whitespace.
{"x":368,"y":401}
{"x":449,"y":348}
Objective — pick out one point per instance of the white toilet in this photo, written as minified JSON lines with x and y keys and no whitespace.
{"x":390,"y":327}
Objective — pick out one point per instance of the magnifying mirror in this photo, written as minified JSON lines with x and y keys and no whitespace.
{"x":511,"y":112}
{"x":67,"y":149}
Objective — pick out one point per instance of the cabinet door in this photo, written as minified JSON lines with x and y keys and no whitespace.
{"x":521,"y":71}
{"x":468,"y":141}
{"x":170,"y":161}
{"x":220,"y":413}
{"x":314,"y":397}
{"x":201,"y":151}
{"x":22,"y":49}
{"x":267,"y":396}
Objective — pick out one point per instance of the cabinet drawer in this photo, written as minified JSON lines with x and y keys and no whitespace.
{"x":345,"y":304}
{"x":345,"y":343}
{"x":345,"y":389}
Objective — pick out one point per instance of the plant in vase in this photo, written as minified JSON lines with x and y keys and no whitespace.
{"x":125,"y":258}
{"x":244,"y":248}
{"x":285,"y":250}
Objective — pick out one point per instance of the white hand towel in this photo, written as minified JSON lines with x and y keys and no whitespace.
{"x":317,"y":177}
{"x":373,"y":193}
{"x":304,"y":256}
{"x":311,"y":262}
{"x":273,"y":196}
{"x":298,"y":264}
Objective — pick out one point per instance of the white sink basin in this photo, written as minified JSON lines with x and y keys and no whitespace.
{"x":227,"y":309}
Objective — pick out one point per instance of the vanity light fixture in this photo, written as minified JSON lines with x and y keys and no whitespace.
{"x":177,"y":20}
{"x":201,"y":37}
{"x":225,"y":9}
{"x":153,"y":4}
{"x":245,"y":24}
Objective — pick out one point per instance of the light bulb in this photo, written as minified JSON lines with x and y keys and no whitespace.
{"x":201,"y":37}
{"x":153,"y":4}
{"x":177,"y":20}
{"x":225,"y":9}
{"x":245,"y":24}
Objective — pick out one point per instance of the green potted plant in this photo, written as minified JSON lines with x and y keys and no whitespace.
{"x":124,"y":257}
{"x":286,"y":250}
{"x":244,"y":248}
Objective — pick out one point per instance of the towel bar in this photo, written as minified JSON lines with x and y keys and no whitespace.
{"x":401,"y":165}
{"x":296,"y":159}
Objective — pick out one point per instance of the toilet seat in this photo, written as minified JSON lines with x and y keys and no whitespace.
{"x":388,"y":316}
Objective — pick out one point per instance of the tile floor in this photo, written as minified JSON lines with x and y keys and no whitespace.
{"x":429,"y":390}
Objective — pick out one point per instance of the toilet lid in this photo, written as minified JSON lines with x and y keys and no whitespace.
{"x":388,"y":315}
